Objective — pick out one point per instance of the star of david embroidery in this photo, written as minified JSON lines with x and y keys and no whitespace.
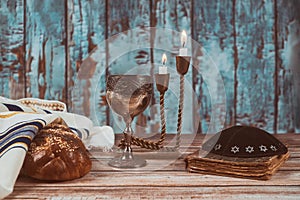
{"x":235,"y":149}
{"x":273,"y":148}
{"x":249,"y":149}
{"x":218,"y":147}
{"x":263,"y":148}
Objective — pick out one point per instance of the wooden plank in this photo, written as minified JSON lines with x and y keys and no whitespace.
{"x":169,"y":18}
{"x":292,"y":163}
{"x":87,"y":54}
{"x":45,"y":49}
{"x":214,"y":64}
{"x":291,"y":139}
{"x":12,"y":65}
{"x":134,"y":178}
{"x":128,"y":47}
{"x":254,"y":23}
{"x":295,"y":152}
{"x":92,"y":193}
{"x":288,"y":60}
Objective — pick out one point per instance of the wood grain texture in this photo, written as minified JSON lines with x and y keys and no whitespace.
{"x":169,"y":19}
{"x":45,"y":49}
{"x":207,"y":193}
{"x":170,"y":181}
{"x":165,"y":179}
{"x":256,"y":63}
{"x":128,"y":48}
{"x":288,"y":62}
{"x":213,"y":29}
{"x":87,"y":59}
{"x":12,"y":66}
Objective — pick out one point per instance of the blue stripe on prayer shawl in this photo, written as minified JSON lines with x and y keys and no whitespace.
{"x":12,"y":107}
{"x":26,"y":130}
{"x":21,"y":139}
{"x":14,"y":147}
{"x":36,"y":123}
{"x":87,"y":132}
{"x":20,"y":135}
{"x":79,"y":133}
{"x":47,"y":111}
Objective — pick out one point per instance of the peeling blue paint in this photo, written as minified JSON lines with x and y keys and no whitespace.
{"x":239,"y":36}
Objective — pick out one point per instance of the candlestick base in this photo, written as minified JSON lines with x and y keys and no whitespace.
{"x":182,"y":64}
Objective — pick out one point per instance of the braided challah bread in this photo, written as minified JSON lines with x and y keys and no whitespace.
{"x":56,"y":154}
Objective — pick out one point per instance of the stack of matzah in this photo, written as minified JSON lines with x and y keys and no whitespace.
{"x":239,"y":151}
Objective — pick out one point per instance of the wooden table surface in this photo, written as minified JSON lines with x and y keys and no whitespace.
{"x":165,"y":177}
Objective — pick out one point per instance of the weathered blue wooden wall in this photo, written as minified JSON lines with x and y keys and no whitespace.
{"x":253,"y":44}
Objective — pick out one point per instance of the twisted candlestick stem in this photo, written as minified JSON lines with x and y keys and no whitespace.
{"x":162,"y":117}
{"x":180,"y":109}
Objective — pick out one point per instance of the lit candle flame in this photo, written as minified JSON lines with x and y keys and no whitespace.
{"x":183,"y":38}
{"x":164,"y":59}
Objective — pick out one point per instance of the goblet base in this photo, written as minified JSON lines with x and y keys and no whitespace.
{"x":127,"y":163}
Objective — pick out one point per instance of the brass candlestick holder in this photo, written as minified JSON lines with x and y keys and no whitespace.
{"x":182,"y":66}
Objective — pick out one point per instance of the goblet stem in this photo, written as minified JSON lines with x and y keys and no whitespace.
{"x":127,"y":153}
{"x":128,"y":133}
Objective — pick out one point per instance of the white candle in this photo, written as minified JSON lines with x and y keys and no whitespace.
{"x":163,"y":69}
{"x":183,"y":49}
